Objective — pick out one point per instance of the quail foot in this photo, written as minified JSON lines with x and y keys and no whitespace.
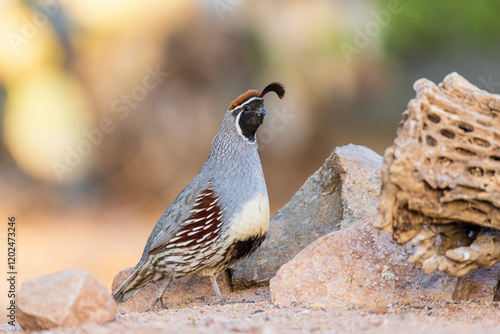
{"x":221,"y":217}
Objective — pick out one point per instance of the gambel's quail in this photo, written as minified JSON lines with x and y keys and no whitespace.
{"x":221,"y":217}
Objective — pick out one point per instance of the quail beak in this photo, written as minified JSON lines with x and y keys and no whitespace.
{"x":262,"y":112}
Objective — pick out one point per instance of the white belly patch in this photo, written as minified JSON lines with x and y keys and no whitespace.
{"x":252,"y":220}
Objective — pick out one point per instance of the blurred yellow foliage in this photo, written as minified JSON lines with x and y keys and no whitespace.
{"x":29,"y":42}
{"x":44,"y":113}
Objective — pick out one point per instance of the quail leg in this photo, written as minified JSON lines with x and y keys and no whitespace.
{"x":217,"y":290}
{"x":159,"y":294}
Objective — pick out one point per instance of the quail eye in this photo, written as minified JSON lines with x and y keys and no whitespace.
{"x":246,"y":108}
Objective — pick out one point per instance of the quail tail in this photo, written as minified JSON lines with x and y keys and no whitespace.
{"x":134,"y":283}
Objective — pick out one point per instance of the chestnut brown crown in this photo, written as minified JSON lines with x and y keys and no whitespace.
{"x":276,"y":87}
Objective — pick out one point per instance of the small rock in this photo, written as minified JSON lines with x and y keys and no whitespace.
{"x":357,"y":265}
{"x":344,"y":189}
{"x":180,"y":292}
{"x":379,"y":309}
{"x":317,"y":306}
{"x":65,"y":298}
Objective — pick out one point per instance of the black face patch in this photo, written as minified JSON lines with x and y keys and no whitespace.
{"x":249,"y":123}
{"x":251,"y":118}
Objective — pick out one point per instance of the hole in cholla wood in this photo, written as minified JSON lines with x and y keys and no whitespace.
{"x":443,"y":192}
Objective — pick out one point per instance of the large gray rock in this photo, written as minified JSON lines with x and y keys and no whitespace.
{"x":66,"y":298}
{"x":343,"y":190}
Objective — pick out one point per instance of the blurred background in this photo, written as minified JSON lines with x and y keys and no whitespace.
{"x":108,"y":108}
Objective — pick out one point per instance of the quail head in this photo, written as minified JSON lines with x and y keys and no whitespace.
{"x":222,"y":215}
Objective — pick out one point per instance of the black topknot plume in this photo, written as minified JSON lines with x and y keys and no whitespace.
{"x":276,"y":87}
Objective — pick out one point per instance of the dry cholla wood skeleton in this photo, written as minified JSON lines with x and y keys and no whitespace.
{"x":441,"y":178}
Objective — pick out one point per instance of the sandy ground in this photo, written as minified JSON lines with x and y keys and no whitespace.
{"x":251,"y":311}
{"x":104,"y":242}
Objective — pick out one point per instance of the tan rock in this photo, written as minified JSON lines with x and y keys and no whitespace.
{"x":357,"y":265}
{"x":180,"y":292}
{"x":65,"y":298}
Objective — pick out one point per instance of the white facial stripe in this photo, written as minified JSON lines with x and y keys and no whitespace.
{"x":247,"y":102}
{"x":237,"y":123}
